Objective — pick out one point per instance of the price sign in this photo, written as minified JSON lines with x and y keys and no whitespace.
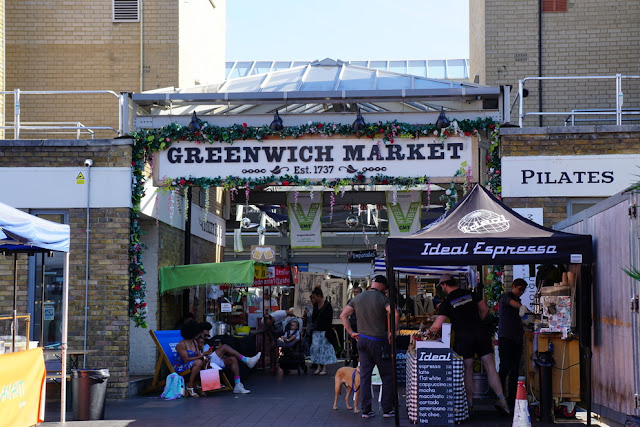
{"x":435,"y":387}
{"x":225,"y":307}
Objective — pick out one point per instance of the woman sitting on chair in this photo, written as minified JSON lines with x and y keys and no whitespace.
{"x":223,"y":356}
{"x":191,"y":356}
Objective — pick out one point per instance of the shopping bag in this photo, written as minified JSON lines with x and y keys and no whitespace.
{"x":210,"y":379}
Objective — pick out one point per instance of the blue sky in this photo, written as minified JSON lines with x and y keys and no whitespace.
{"x":347,"y":29}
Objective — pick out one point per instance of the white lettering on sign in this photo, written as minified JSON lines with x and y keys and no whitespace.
{"x":317,"y":159}
{"x":572,"y":176}
{"x":481,"y":248}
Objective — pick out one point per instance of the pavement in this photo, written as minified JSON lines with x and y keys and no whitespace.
{"x":275,"y":400}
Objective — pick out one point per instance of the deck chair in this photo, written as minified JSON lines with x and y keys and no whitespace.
{"x":166,"y":342}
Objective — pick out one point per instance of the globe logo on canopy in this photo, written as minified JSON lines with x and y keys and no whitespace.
{"x":482,"y":221}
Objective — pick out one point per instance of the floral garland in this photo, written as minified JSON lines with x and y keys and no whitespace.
{"x":147,"y":141}
{"x":495,"y":275}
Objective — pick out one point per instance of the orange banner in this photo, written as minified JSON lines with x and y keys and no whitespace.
{"x":22,"y":387}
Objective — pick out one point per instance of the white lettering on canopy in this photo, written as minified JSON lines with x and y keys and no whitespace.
{"x":315,"y":159}
{"x":481,"y":248}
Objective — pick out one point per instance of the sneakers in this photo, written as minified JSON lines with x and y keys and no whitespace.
{"x":239,"y":389}
{"x":501,"y":406}
{"x":251,"y":361}
{"x":389,"y":414}
{"x":368,"y":414}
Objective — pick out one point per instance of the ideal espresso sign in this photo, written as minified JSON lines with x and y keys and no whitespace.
{"x":570,"y":176}
{"x":317,"y":159}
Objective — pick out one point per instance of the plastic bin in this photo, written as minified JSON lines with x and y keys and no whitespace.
{"x":89,"y":393}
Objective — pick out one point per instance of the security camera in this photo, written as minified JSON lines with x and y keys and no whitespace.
{"x":88,"y":163}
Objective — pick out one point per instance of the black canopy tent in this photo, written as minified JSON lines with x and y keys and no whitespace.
{"x":481,"y":230}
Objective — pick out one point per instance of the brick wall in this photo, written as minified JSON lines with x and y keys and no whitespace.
{"x":71,"y":45}
{"x":108,"y":295}
{"x":592,"y":38}
{"x":563,"y":141}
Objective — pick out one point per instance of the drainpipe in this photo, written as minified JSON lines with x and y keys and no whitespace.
{"x":540,"y":61}
{"x":141,"y":46}
{"x":87,"y":164}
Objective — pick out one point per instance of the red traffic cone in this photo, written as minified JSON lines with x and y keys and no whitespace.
{"x":521,"y":417}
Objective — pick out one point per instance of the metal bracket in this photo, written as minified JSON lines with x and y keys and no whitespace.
{"x":636,"y":398}
{"x":633,"y":211}
{"x":635,"y":304}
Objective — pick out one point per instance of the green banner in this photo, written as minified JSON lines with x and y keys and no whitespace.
{"x":184,"y":276}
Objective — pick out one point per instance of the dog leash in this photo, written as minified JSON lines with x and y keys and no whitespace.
{"x":353,"y":381}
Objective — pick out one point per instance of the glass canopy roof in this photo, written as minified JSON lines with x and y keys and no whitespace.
{"x":331,"y":75}
{"x":449,"y":69}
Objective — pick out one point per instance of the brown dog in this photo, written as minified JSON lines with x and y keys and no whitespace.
{"x":346,"y":376}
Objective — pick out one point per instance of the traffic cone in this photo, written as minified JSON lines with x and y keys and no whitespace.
{"x":521,"y":417}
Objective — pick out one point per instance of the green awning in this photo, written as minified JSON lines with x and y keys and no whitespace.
{"x":184,"y":276}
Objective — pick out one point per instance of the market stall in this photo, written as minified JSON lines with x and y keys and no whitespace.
{"x":21,"y":233}
{"x":481,"y":230}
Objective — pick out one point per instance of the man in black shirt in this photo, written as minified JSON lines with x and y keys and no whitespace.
{"x":510,"y":334}
{"x":466,"y":312}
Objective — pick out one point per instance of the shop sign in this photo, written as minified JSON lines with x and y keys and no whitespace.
{"x":263,"y":253}
{"x":225,"y":307}
{"x":362,"y":256}
{"x":208,"y":227}
{"x":569,"y":176}
{"x":316,"y":159}
{"x":275,"y":276}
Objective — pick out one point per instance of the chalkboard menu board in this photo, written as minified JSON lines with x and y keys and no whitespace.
{"x":401,"y":366}
{"x":435,"y":387}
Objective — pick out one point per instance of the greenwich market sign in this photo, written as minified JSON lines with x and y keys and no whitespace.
{"x":317,"y":159}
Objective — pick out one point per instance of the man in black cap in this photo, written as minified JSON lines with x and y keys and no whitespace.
{"x":466,"y":312}
{"x":373,"y":338}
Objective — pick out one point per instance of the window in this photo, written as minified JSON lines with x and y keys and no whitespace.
{"x":575,"y":206}
{"x":555,"y":5}
{"x":126,"y":11}
{"x":45,"y":302}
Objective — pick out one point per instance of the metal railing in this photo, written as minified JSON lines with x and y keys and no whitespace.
{"x":19,"y":126}
{"x":66,"y":128}
{"x":619,"y":98}
{"x":572,"y":117}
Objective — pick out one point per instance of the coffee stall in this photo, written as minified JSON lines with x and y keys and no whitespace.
{"x":481,"y":230}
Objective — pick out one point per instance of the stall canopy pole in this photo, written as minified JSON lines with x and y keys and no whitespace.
{"x":65,"y":314}
{"x":393,"y":289}
{"x":42,"y":286}
{"x":14,"y":326}
{"x":585,"y":331}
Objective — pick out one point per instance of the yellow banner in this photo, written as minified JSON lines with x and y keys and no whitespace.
{"x":22,"y":387}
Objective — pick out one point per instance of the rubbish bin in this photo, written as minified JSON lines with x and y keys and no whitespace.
{"x":89,"y":393}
